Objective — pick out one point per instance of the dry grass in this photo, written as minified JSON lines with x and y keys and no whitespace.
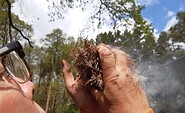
{"x":87,"y":63}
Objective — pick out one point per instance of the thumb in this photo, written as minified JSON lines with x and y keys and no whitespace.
{"x":68,"y":76}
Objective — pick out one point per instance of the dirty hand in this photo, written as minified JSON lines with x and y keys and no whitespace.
{"x":122,"y":91}
{"x":82,"y":97}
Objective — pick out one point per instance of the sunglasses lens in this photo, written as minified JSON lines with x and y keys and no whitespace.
{"x":16,"y":67}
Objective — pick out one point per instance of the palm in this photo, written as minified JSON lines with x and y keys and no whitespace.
{"x":82,"y":97}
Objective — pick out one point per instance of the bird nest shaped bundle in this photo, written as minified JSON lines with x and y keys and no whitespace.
{"x":87,"y":63}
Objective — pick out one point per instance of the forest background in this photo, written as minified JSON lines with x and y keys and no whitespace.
{"x":160,"y":60}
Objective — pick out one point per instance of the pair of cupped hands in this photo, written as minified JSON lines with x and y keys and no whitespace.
{"x":122,"y":91}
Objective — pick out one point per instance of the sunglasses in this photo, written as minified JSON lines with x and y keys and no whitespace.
{"x":12,"y":58}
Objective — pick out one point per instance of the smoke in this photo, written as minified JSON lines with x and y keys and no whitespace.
{"x":164,"y":85}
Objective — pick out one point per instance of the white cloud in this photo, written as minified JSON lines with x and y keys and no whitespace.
{"x":170,"y":13}
{"x":181,"y":44}
{"x":181,"y":8}
{"x":147,"y":2}
{"x":36,"y":15}
{"x":170,"y":23}
{"x":156,"y":34}
{"x":75,"y":19}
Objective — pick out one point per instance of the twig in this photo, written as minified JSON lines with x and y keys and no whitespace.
{"x":12,"y":25}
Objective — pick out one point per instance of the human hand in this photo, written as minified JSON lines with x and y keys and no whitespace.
{"x":122,"y":91}
{"x":82,"y":97}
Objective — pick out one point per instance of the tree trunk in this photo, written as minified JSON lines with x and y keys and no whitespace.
{"x":53,"y":104}
{"x":48,"y":98}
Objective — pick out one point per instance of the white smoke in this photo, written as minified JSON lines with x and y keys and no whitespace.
{"x":164,"y":85}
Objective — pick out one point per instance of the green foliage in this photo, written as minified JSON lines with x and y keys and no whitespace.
{"x":163,"y":45}
{"x":177,"y":31}
{"x":168,"y":41}
{"x":50,"y":91}
{"x":136,"y":42}
{"x":3,"y":4}
{"x":69,"y":108}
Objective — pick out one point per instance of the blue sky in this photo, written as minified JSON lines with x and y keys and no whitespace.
{"x":161,"y":13}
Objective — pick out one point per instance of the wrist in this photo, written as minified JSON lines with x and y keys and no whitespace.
{"x":91,"y":109}
{"x":127,"y":108}
{"x":150,"y":110}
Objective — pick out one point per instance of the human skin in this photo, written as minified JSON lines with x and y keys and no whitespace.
{"x":81,"y":96}
{"x":122,"y":91}
{"x":15,"y":97}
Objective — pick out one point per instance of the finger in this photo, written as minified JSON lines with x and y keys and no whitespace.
{"x":107,"y":62}
{"x":107,"y":46}
{"x":120,"y":58}
{"x":68,"y":76}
